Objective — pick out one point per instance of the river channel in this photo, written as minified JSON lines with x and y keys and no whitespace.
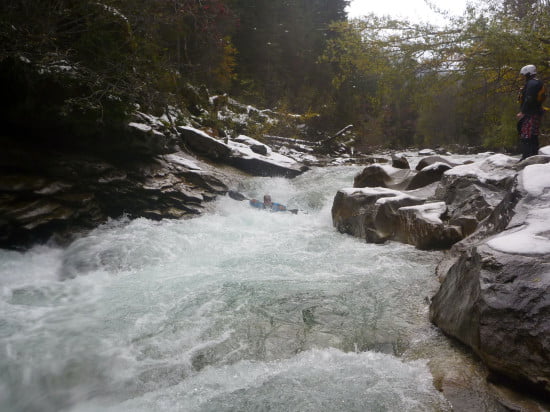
{"x":237,"y":310}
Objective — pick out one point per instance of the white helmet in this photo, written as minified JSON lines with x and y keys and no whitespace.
{"x":529,"y":70}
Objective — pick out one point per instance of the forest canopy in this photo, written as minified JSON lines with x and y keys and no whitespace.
{"x":401,"y":83}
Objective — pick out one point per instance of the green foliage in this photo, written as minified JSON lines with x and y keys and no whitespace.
{"x":398,"y":82}
{"x":404,"y":83}
{"x":376,"y":78}
{"x":145,"y":51}
{"x":279,"y":44}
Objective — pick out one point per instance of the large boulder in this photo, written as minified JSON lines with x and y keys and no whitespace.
{"x":423,"y":227}
{"x":379,"y":214}
{"x":377,"y":175}
{"x":369,"y":213}
{"x":372,"y":176}
{"x":243,"y":152}
{"x":399,"y":161}
{"x":465,"y":196}
{"x":143,"y":139}
{"x":246,"y":158}
{"x":495,"y":291}
{"x":472,"y":191}
{"x":202,"y":143}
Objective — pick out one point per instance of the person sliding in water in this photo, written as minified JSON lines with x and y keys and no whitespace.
{"x":268,"y":205}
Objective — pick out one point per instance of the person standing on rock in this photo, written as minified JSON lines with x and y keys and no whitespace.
{"x":531,"y":97}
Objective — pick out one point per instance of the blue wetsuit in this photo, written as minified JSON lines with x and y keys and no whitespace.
{"x":275,"y":207}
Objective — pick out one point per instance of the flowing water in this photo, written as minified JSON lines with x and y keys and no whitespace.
{"x":238,"y":310}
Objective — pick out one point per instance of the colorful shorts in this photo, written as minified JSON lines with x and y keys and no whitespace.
{"x":529,"y":125}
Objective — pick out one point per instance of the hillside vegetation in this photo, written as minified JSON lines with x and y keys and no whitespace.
{"x":80,"y":68}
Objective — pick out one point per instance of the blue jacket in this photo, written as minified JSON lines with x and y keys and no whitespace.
{"x":275,"y":207}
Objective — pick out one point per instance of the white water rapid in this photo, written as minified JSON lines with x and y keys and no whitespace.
{"x":237,"y":310}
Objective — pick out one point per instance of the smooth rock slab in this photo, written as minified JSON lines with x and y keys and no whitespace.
{"x":499,"y":305}
{"x":243,"y":153}
{"x":495,"y":292}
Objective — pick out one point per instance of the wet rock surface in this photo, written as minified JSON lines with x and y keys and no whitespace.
{"x":494,"y":296}
{"x":422,"y":226}
{"x":369,"y":213}
{"x":428,"y":175}
{"x":242,"y":152}
{"x":399,"y":161}
{"x":56,"y":191}
{"x":469,"y":193}
{"x":430,"y":160}
{"x":45,"y":193}
{"x":380,"y":175}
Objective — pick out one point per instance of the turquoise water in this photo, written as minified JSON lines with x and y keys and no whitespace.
{"x":238,"y":310}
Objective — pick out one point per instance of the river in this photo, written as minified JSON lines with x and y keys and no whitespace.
{"x":237,"y":310}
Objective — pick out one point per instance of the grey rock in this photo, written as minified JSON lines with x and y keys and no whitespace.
{"x":423,"y":227}
{"x":264,"y":167}
{"x":204,"y":144}
{"x":370,"y":214}
{"x":259,"y":148}
{"x":144,"y":139}
{"x":430,"y":160}
{"x":67,"y":193}
{"x":400,"y":161}
{"x":494,"y":295}
{"x":470,"y":194}
{"x":377,"y":175}
{"x":473,"y":191}
{"x":372,"y":176}
{"x":428,"y":175}
{"x":499,"y":305}
{"x":236,"y":156}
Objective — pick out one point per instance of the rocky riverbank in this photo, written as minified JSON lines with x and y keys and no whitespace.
{"x":62,"y":173}
{"x":56,"y":194}
{"x":493,"y":216}
{"x":68,"y":164}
